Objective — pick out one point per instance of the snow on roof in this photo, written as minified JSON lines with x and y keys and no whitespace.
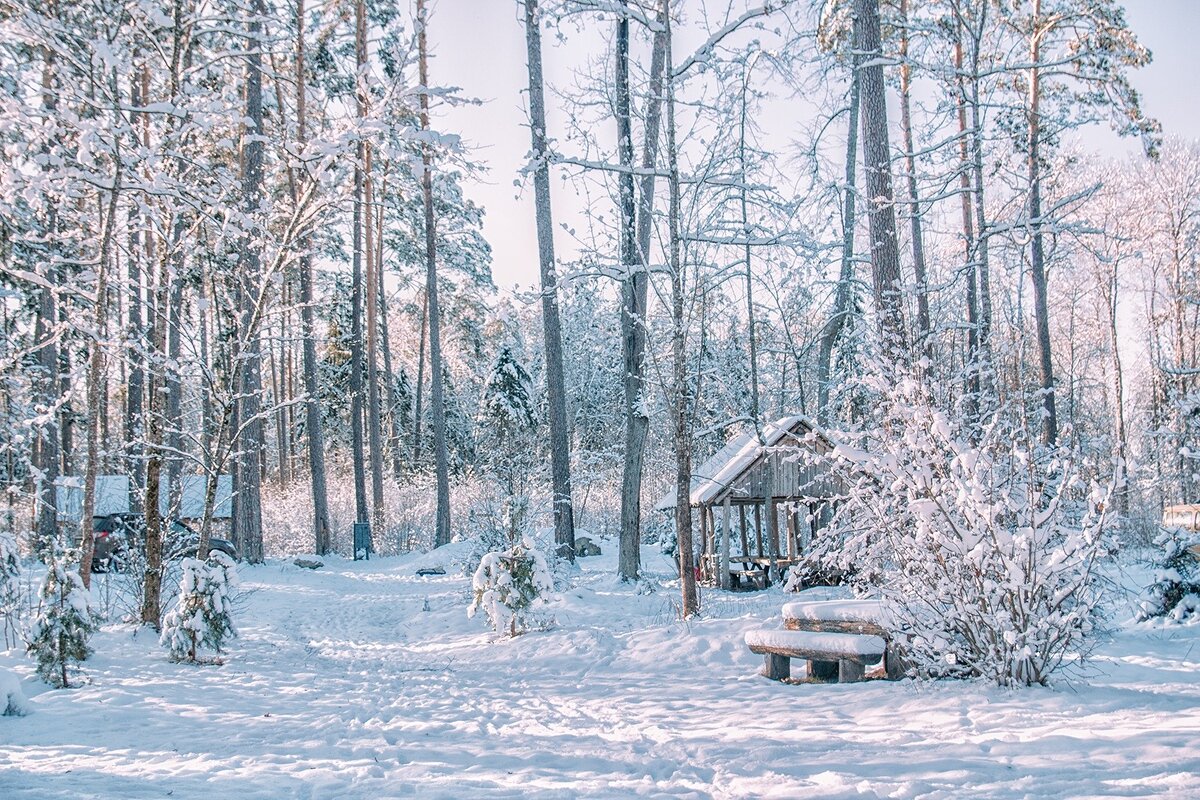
{"x":718,"y":473}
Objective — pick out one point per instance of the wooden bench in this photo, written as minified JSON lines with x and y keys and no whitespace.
{"x":831,"y":656}
{"x":860,"y":617}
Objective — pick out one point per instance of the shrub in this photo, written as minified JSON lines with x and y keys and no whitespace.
{"x":985,"y":548}
{"x":508,"y":583}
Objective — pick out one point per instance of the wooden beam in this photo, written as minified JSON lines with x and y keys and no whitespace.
{"x":726,"y":513}
{"x":745,"y":540}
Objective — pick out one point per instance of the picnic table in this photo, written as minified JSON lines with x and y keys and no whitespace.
{"x":838,"y":638}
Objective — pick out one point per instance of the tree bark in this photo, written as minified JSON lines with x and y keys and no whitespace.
{"x":914,"y":205}
{"x":312,"y":408}
{"x":843,"y":299}
{"x":1037,"y":258}
{"x":680,"y":396}
{"x":441,"y":534}
{"x":560,"y":453}
{"x":635,"y":261}
{"x":358,"y":456}
{"x":248,"y":510}
{"x":881,"y":214}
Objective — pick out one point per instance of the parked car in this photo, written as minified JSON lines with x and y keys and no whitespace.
{"x":113,"y":534}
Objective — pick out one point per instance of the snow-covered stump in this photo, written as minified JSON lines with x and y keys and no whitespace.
{"x":12,"y":700}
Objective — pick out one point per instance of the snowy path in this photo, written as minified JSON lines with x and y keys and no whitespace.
{"x":343,"y":686}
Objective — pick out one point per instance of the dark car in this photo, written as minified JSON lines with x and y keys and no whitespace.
{"x":114,"y":532}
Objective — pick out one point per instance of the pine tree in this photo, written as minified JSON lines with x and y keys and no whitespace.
{"x":63,"y":625}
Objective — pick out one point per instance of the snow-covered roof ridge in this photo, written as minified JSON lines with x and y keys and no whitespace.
{"x":723,"y":468}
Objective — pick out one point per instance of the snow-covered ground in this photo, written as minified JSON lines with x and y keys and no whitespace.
{"x":362,"y":680}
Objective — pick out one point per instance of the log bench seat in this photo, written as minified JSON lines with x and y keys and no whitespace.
{"x":831,"y":656}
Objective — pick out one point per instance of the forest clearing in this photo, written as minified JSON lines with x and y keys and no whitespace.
{"x":374,"y":696}
{"x":599,"y":398}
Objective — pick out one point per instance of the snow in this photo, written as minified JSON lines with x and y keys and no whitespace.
{"x":837,"y":611}
{"x":342,"y":686}
{"x":849,"y":643}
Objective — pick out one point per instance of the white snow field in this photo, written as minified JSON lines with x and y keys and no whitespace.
{"x":362,"y":680}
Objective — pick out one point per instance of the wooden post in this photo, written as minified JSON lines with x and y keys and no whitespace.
{"x":704,"y":565}
{"x":791,"y":533}
{"x":850,"y":671}
{"x":777,"y":667}
{"x":745,"y":540}
{"x":725,"y":531}
{"x":758,"y":532}
{"x":773,"y":533}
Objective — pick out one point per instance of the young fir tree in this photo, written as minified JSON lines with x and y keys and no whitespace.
{"x":63,"y":625}
{"x":507,"y":421}
{"x":203,"y":615}
{"x":508,"y":583}
{"x":10,"y":573}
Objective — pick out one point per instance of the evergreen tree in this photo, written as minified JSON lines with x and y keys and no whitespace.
{"x":63,"y":625}
{"x":203,"y":615}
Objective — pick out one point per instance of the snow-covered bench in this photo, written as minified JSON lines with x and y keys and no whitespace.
{"x":851,"y":617}
{"x":843,"y":656}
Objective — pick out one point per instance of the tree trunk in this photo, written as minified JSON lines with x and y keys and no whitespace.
{"x":248,"y":521}
{"x":972,"y":365}
{"x":374,"y":400}
{"x":441,"y":533}
{"x":680,"y":396}
{"x":881,"y":214}
{"x":358,"y":456}
{"x":96,"y":382}
{"x":843,"y":299}
{"x":560,"y":453}
{"x":914,"y":206}
{"x":1037,"y":263}
{"x":312,"y":408}
{"x":635,"y":257}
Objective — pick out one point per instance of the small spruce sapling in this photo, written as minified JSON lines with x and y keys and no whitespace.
{"x":508,"y":583}
{"x":63,"y":625}
{"x":10,"y":592}
{"x":203,"y":614}
{"x":1175,"y":593}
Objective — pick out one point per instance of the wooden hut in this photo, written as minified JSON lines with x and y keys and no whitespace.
{"x":759,"y":502}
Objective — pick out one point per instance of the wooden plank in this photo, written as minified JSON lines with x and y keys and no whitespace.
{"x":758,"y":530}
{"x":842,"y":626}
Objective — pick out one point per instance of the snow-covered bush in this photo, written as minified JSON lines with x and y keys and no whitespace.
{"x":13,"y":702}
{"x":1175,"y":593}
{"x":508,"y":583}
{"x":985,"y":550}
{"x":203,"y":613}
{"x":10,"y":591}
{"x":63,"y":625}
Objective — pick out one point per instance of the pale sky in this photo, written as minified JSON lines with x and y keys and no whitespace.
{"x":479,"y":45}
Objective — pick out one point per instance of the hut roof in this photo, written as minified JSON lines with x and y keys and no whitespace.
{"x":722,"y":470}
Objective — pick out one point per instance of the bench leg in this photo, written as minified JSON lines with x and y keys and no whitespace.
{"x":777,"y":667}
{"x":823,"y":670}
{"x":850,"y":671}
